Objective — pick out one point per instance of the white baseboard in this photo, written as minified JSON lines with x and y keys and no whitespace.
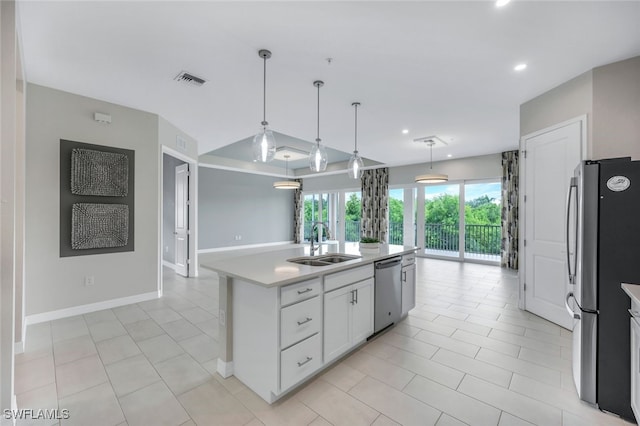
{"x":169,"y":264}
{"x":225,"y":369}
{"x":91,"y":307}
{"x":247,"y":246}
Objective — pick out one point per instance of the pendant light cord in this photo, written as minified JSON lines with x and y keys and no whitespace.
{"x":318,"y":133}
{"x":264,"y":91}
{"x":356,"y":137}
{"x":431,"y":157}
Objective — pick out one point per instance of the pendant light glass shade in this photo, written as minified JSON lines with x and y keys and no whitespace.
{"x":264,"y":143}
{"x":431,"y":177}
{"x":354,"y":169}
{"x":264,"y":146}
{"x":318,"y":158}
{"x":286,"y":184}
{"x":318,"y":155}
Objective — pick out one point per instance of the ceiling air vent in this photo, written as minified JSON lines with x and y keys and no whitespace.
{"x":190,"y":79}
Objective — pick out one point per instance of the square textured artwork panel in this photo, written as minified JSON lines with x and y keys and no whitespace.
{"x":99,"y":225}
{"x":99,"y":173}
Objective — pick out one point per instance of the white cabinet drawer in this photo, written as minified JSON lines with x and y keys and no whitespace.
{"x":408,"y":259}
{"x":350,"y":276}
{"x":300,"y":361}
{"x":300,"y":291}
{"x":300,"y":321}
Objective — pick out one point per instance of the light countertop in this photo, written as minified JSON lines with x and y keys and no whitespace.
{"x":271,"y":268}
{"x":633,"y":290}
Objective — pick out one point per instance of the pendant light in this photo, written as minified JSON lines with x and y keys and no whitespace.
{"x":286,"y":184}
{"x":354,"y":169}
{"x":318,"y":155}
{"x":264,"y":143}
{"x":431,"y":177}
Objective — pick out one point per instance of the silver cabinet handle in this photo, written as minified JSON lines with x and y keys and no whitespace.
{"x":300,"y":364}
{"x":306,"y":320}
{"x":307,"y":290}
{"x":404,"y":276}
{"x":353,"y":297}
{"x":356,"y":291}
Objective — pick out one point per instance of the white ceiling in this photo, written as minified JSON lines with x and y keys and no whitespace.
{"x":435,"y":68}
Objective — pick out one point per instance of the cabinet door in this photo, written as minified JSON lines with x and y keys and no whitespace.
{"x":408,"y":288}
{"x":362,"y":311}
{"x":337,"y":311}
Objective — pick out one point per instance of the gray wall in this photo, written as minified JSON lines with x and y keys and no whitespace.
{"x":55,"y":283}
{"x":169,"y":165}
{"x":482,"y":167}
{"x":233,"y":203}
{"x":608,"y":95}
{"x":616,"y":110}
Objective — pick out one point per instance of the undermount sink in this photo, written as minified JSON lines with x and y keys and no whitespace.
{"x":323,"y":260}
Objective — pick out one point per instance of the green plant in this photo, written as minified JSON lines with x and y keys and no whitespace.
{"x":369,"y":240}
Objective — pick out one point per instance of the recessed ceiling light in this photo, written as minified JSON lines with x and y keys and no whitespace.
{"x":449,"y":155}
{"x":501,"y":3}
{"x":520,"y":67}
{"x":405,"y":131}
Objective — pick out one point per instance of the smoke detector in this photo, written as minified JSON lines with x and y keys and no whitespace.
{"x":190,"y":79}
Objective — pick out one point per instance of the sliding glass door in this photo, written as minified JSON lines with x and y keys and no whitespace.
{"x":460,"y":220}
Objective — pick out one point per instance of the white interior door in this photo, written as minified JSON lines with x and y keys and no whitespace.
{"x":551,"y":158}
{"x":181,"y":232}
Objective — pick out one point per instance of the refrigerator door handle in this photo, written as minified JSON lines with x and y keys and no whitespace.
{"x":572,"y":275}
{"x":566,"y":305}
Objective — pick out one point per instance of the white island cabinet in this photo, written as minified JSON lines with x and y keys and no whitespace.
{"x":633,"y":291}
{"x":281,"y":322}
{"x":348,"y":310}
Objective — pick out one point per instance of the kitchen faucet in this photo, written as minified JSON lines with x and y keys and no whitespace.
{"x":312,"y":249}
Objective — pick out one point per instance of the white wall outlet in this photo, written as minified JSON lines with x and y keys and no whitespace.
{"x":166,"y":249}
{"x":239,"y":237}
{"x":222,"y":317}
{"x":89,"y":280}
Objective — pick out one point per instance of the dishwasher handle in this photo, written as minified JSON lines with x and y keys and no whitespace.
{"x":388,"y":263}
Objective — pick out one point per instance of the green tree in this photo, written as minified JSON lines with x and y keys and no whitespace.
{"x":353,"y":208}
{"x":442,"y":209}
{"x":396,"y":210}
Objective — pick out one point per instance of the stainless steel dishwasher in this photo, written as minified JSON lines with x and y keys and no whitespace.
{"x":388,"y":293}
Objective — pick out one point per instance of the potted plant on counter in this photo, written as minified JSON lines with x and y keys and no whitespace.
{"x":369,"y":244}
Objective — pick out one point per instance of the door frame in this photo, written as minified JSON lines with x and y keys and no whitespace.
{"x":193,"y":212}
{"x":582,"y":120}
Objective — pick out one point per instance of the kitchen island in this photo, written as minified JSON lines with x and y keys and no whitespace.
{"x":282,"y":322}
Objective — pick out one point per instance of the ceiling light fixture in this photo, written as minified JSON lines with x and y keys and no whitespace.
{"x":354,"y":169}
{"x":405,"y":131}
{"x":286,"y":184}
{"x":430,"y":177}
{"x":520,"y":67}
{"x":264,"y":143}
{"x":501,"y":3}
{"x":318,"y":155}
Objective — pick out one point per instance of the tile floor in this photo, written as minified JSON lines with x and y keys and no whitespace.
{"x":465,"y":355}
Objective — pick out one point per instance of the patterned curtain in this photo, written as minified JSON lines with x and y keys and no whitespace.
{"x":298,"y":210}
{"x":510,"y":173}
{"x":375,"y":203}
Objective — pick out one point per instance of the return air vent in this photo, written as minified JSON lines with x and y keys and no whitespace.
{"x":190,"y":79}
{"x":431,"y":140}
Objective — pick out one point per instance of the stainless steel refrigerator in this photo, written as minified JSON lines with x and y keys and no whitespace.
{"x":603,"y":251}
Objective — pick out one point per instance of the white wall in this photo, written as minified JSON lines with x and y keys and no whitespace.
{"x":55,"y":283}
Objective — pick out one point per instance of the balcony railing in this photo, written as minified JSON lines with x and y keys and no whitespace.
{"x":479,"y":239}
